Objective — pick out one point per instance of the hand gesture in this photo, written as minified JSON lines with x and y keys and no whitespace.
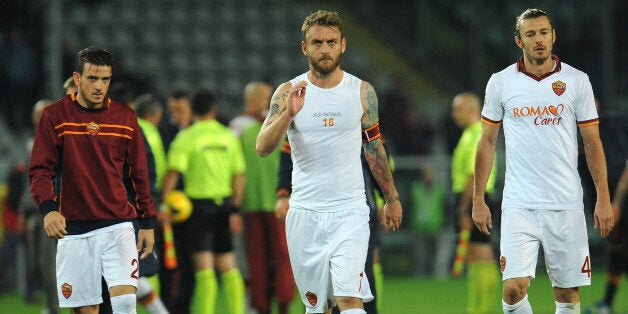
{"x":481,"y":216}
{"x":393,"y":214}
{"x":281,"y":208}
{"x":145,"y":242}
{"x":54,"y":224}
{"x":296,"y":98}
{"x":603,"y":216}
{"x":236,"y":223}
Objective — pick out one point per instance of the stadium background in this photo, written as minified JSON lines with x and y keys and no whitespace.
{"x":417,"y":54}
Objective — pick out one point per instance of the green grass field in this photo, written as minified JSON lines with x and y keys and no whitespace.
{"x":410,"y":295}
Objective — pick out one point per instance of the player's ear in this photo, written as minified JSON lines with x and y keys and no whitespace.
{"x":304,"y":47}
{"x":518,"y":42}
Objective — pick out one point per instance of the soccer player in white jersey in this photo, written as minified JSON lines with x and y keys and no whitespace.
{"x":328,"y":113}
{"x":541,"y":102}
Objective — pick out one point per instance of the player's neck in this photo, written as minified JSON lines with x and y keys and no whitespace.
{"x":539,"y":69}
{"x":325,"y":81}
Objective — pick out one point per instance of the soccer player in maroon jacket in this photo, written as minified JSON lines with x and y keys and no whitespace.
{"x":85,"y":145}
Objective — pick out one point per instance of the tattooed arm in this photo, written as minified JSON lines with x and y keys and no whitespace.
{"x":286,"y":102}
{"x":378,"y":160}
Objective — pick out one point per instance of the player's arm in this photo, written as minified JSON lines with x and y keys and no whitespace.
{"x":238,"y":185}
{"x":484,"y":155}
{"x":284,"y":182}
{"x":377,"y":159}
{"x":596,"y":161}
{"x":286,"y":102}
{"x":620,"y":193}
{"x":465,"y":204}
{"x":44,"y":159}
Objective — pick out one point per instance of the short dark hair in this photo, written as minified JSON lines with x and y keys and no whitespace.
{"x":93,"y":55}
{"x":123,"y":92}
{"x":203,"y":102}
{"x":179,"y":93}
{"x":529,"y":14}
{"x":323,"y":18}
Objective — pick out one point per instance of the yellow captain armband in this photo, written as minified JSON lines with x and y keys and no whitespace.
{"x":370,"y":134}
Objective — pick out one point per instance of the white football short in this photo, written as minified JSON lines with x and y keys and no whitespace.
{"x":563,"y":237}
{"x":327,"y":253}
{"x":82,"y":260}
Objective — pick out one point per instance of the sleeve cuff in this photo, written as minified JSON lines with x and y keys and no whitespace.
{"x":147,"y":223}
{"x":48,"y":206}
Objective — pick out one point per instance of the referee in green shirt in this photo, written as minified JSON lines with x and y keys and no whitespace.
{"x":210,"y":159}
{"x":482,"y":275}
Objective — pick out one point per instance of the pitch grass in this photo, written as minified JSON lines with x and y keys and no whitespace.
{"x":411,"y":295}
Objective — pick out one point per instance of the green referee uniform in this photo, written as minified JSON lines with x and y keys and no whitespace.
{"x":208,"y":155}
{"x":151,"y":132}
{"x":463,"y":160}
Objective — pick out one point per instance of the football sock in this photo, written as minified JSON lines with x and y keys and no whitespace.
{"x":147,"y":297}
{"x":205,"y":292}
{"x":612,"y":282}
{"x":154,"y":283}
{"x":144,"y":288}
{"x":233,"y":286}
{"x":482,"y":285}
{"x":353,"y":311}
{"x":379,"y":285}
{"x":567,"y":308}
{"x":124,"y":304}
{"x":521,"y":307}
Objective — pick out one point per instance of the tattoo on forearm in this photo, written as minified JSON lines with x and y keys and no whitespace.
{"x":274,"y":109}
{"x":380,"y":167}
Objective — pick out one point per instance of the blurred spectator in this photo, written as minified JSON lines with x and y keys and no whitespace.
{"x":179,"y":116}
{"x":266,"y":246}
{"x":13,"y":226}
{"x":19,"y":70}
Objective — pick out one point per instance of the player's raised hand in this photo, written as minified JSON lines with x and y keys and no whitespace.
{"x":296,"y":98}
{"x":54,"y":224}
{"x":145,"y":242}
{"x":481,"y":216}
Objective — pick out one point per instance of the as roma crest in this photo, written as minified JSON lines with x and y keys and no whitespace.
{"x":559,"y":87}
{"x":502,"y":263}
{"x":66,"y":289}
{"x":312,"y":298}
{"x":93,"y":128}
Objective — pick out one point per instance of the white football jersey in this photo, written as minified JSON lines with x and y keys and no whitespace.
{"x":326,"y":142}
{"x":540,"y":116}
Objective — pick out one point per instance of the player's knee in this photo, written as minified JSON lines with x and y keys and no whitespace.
{"x":125,"y":303}
{"x":515,"y":289}
{"x":567,"y":295}
{"x":349,"y":303}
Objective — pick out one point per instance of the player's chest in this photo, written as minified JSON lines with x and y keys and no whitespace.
{"x":548,"y":102}
{"x":329,"y":114}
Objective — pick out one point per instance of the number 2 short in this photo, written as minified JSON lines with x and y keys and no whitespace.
{"x":82,"y":260}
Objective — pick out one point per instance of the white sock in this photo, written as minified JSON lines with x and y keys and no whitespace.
{"x":124,"y":304}
{"x":567,"y":308}
{"x":143,"y":288}
{"x":521,"y":307}
{"x":156,"y":307}
{"x":353,"y":311}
